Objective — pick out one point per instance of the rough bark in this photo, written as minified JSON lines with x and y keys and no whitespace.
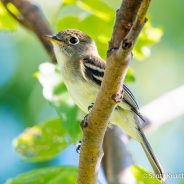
{"x":118,"y":58}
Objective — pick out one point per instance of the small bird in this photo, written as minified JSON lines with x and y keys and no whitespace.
{"x":82,"y":71}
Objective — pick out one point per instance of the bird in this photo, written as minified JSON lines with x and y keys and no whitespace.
{"x":82,"y":70}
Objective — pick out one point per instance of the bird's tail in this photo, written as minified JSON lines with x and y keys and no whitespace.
{"x":152,"y":158}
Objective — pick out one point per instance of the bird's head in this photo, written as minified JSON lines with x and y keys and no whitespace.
{"x":72,"y":44}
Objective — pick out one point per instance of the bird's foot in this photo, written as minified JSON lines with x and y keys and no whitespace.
{"x":84,"y":122}
{"x":90,"y":107}
{"x":78,"y":146}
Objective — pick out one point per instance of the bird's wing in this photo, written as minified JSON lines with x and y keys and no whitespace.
{"x":94,"y":70}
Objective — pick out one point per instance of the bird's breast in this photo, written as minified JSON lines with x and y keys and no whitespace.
{"x":83,"y":93}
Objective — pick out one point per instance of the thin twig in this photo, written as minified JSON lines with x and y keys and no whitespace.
{"x":19,"y":19}
{"x":125,"y":17}
{"x":32,"y":19}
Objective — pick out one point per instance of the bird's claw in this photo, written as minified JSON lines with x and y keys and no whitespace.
{"x":90,"y":107}
{"x":78,"y":147}
{"x":84,"y":122}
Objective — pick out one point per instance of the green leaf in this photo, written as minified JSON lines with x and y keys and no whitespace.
{"x":67,"y":21}
{"x":70,"y":117}
{"x":50,"y":175}
{"x":144,"y":177}
{"x":54,"y":91}
{"x":70,"y":2}
{"x":130,"y":76}
{"x":43,"y":141}
{"x":149,"y":36}
{"x":97,"y":8}
{"x":6,"y":21}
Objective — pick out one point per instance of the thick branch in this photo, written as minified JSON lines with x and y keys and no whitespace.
{"x":32,"y":18}
{"x":109,"y":95}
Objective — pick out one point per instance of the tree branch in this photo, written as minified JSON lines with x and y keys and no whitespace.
{"x":118,"y":58}
{"x":124,"y":20}
{"x":117,"y":160}
{"x":32,"y":18}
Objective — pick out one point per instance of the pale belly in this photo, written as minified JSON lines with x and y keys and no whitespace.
{"x":83,"y":97}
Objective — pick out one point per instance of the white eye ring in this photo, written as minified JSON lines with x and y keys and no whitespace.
{"x":74,"y":40}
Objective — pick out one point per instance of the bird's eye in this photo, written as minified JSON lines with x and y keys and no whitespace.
{"x":74,"y":40}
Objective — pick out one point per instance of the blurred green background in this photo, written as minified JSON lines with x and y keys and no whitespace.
{"x":23,"y":105}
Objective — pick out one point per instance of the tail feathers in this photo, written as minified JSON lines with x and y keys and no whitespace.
{"x":154,"y":162}
{"x":152,"y":158}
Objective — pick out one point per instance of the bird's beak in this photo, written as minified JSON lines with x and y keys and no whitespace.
{"x":52,"y":38}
